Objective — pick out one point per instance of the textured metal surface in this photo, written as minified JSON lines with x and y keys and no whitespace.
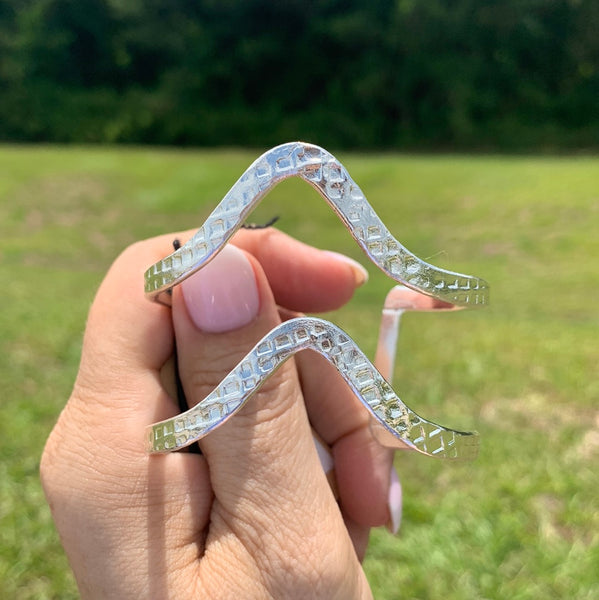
{"x":397,"y":425}
{"x":322,"y":170}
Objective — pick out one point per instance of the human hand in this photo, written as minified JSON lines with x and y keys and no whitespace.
{"x":253,"y":516}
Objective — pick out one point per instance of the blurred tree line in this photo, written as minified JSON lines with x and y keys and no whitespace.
{"x":490,"y":74}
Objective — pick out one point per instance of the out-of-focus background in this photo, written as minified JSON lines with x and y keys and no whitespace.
{"x":472,"y":127}
{"x":422,"y":74}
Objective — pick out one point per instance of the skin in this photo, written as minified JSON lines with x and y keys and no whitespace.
{"x":253,"y":516}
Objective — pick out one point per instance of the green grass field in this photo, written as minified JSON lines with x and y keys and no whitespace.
{"x":522,"y":522}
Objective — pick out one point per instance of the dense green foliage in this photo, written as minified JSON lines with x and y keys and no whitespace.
{"x":521,"y":522}
{"x":511,"y":74}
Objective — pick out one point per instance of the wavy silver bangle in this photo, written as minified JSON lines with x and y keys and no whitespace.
{"x":397,"y":425}
{"x":325,"y":173}
{"x":425,"y":288}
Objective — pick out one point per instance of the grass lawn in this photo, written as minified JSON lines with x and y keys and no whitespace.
{"x":522,"y":522}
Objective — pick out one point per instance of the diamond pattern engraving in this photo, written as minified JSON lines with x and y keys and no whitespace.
{"x":375,"y":393}
{"x":325,"y":173}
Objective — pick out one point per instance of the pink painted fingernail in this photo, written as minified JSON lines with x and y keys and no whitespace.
{"x":224,"y":294}
{"x":394,"y":502}
{"x":360,"y":273}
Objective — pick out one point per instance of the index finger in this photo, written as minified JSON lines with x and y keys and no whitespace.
{"x":129,"y":332}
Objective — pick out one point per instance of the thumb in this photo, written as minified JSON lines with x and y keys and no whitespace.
{"x":220,"y":314}
{"x":269,"y":488}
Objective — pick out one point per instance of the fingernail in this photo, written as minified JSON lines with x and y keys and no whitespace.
{"x":223,"y":295}
{"x":394,"y":502}
{"x":327,"y":463}
{"x":324,"y":453}
{"x":360,"y":273}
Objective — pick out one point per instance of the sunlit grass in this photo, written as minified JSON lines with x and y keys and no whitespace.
{"x":520,"y":522}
